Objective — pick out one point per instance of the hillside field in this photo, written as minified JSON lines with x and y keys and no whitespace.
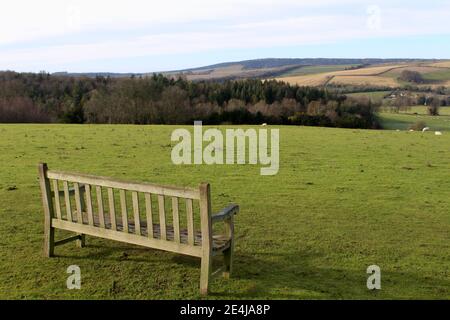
{"x":378,"y":75}
{"x":404,"y":119}
{"x":343,"y":200}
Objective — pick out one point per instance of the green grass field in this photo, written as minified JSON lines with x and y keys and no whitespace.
{"x":342,"y":200}
{"x":404,"y":119}
{"x":440,"y":75}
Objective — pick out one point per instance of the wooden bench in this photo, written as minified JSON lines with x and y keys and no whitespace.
{"x":173,"y":232}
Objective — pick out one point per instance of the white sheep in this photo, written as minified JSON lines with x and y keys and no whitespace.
{"x":438,"y":133}
{"x":264,"y":124}
{"x":425,"y":129}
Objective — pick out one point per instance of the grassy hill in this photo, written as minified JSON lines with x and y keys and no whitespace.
{"x":310,"y":71}
{"x":342,"y":200}
{"x":275,"y":67}
{"x":379,"y":75}
{"x":404,"y":119}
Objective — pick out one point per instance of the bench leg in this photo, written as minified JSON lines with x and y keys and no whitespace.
{"x":81,"y":243}
{"x":228,"y":259}
{"x":205,"y":274}
{"x":49,"y":242}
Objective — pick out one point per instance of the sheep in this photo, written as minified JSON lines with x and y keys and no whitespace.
{"x":425,"y":129}
{"x":438,"y":133}
{"x":264,"y":124}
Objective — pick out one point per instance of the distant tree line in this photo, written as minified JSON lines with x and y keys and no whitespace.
{"x":157,"y":99}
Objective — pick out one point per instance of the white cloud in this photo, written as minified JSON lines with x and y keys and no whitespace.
{"x":240,"y":24}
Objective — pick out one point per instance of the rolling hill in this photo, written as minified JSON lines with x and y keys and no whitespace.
{"x":381,"y":75}
{"x":278,"y":68}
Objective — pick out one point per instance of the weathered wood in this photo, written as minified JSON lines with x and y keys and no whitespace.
{"x":220,"y":242}
{"x":49,"y":231}
{"x":57,"y":200}
{"x":112,"y":209}
{"x":89,"y":205}
{"x":149,"y":214}
{"x":202,"y":243}
{"x":171,"y":191}
{"x":206,"y":227}
{"x":137,"y":218}
{"x":72,"y":190}
{"x":81,"y":242}
{"x":67,"y":201}
{"x":101,"y":210}
{"x":69,"y":239}
{"x":123,"y":205}
{"x":176,"y":219}
{"x":171,"y":246}
{"x":218,"y":271}
{"x":190,"y":221}
{"x":78,"y":203}
{"x":162,"y":216}
{"x":228,"y":253}
{"x":225,"y":213}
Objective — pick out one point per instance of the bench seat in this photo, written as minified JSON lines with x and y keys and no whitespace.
{"x":220,"y":242}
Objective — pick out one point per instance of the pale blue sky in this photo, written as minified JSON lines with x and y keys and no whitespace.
{"x":144,"y":36}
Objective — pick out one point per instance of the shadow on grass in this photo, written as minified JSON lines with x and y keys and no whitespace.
{"x":296,"y":275}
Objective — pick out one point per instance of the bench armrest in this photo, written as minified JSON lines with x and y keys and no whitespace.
{"x":225,"y":213}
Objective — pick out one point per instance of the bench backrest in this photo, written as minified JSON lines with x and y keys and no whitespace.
{"x":165,"y":216}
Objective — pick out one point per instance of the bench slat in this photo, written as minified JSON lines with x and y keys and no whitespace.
{"x":123,"y":204}
{"x":101,"y":211}
{"x":112,"y":209}
{"x":172,"y":246}
{"x":162,"y":216}
{"x":57,"y":200}
{"x":176,"y":219}
{"x":149,"y":214}
{"x":171,"y":191}
{"x":190,"y":221}
{"x":137,"y":218}
{"x":67,"y":200}
{"x":78,"y":203}
{"x":89,"y":205}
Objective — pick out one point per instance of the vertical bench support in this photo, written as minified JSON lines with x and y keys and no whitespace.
{"x":49,"y":231}
{"x":228,"y":253}
{"x":206,"y":225}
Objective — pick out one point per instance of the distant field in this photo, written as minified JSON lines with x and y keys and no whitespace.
{"x":404,"y":119}
{"x":374,"y":96}
{"x":363,"y":76}
{"x":377,"y":81}
{"x":393,"y":121}
{"x":368,"y":71}
{"x":385,"y":75}
{"x":343,"y":200}
{"x":313,"y":80}
{"x":423,"y":110}
{"x":440,"y":75}
{"x":444,"y":64}
{"x":315,"y":70}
